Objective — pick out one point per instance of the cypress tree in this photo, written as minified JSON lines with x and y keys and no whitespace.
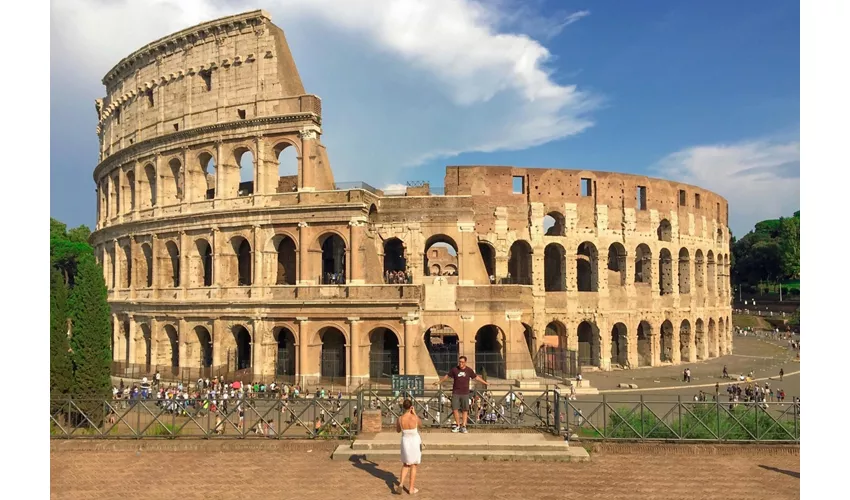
{"x":90,"y":339}
{"x":61,"y":369}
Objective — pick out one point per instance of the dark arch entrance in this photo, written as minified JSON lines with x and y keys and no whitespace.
{"x":333,"y":260}
{"x":443,"y":348}
{"x":685,"y":341}
{"x":699,"y":340}
{"x":394,"y":259}
{"x":554,"y":268}
{"x":243,"y":347}
{"x":588,"y":344}
{"x":383,"y":354}
{"x":519,"y":263}
{"x":286,"y":257}
{"x":666,"y":341}
{"x":620,"y":345}
{"x":333,"y":354}
{"x":205,"y":343}
{"x":285,"y":363}
{"x":490,"y":352}
{"x":644,"y":344}
{"x":243,"y":258}
{"x":488,"y":255}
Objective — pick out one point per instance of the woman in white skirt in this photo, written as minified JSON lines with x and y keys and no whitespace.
{"x":411,"y":445}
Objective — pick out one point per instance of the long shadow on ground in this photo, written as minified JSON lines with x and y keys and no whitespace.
{"x":364,"y":464}
{"x":781,"y":471}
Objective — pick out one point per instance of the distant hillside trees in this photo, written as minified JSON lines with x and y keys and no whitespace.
{"x":768,"y":253}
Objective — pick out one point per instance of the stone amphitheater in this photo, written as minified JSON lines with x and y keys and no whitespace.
{"x":228,"y":247}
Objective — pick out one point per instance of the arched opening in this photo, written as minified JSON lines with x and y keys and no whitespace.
{"x":373,"y":214}
{"x":383,"y":354}
{"x":146,"y":269}
{"x":685,"y":341}
{"x":206,"y":346}
{"x":616,"y":265}
{"x":333,"y":259}
{"x":488,"y":255}
{"x":711,"y":279}
{"x":395,"y":263}
{"x":712,"y":338}
{"x":588,"y":344}
{"x":440,"y":251}
{"x":684,"y":271}
{"x":126,"y":268}
{"x":667,"y":341}
{"x":620,"y":345}
{"x":148,"y":186}
{"x":243,"y":260}
{"x":721,"y":270}
{"x":528,"y":333}
{"x":698,"y":269}
{"x":131,"y":186}
{"x":490,"y":352}
{"x":173,"y":263}
{"x":519,"y":263}
{"x":554,"y":224}
{"x":287,"y":167}
{"x":169,"y":180}
{"x":285,"y":262}
{"x":209,"y":171}
{"x":243,"y":347}
{"x":285,"y":362}
{"x":665,"y":231}
{"x":443,"y":347}
{"x":333,"y":353}
{"x":146,"y":345}
{"x":245,"y":159}
{"x":555,"y":268}
{"x":643,"y":264}
{"x":553,"y":358}
{"x":450,"y":270}
{"x":116,"y":196}
{"x":721,"y":338}
{"x":699,"y":341}
{"x":127,"y":337}
{"x":168,"y":348}
{"x":556,"y":334}
{"x":587,"y":273}
{"x":719,"y":238}
{"x":665,"y":268}
{"x":644,"y":344}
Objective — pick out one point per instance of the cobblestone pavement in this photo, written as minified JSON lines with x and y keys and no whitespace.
{"x":301,"y":474}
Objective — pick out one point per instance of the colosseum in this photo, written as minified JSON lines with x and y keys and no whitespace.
{"x":228,"y":246}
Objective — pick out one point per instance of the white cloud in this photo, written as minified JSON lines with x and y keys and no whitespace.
{"x":394,"y":189}
{"x":759,"y":178}
{"x":402,"y":82}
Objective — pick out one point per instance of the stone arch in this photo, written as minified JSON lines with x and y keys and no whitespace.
{"x":620,"y":345}
{"x":589,"y":347}
{"x":644,"y":344}
{"x":240,"y":356}
{"x":205,"y":343}
{"x":450,"y":270}
{"x":333,"y":355}
{"x":285,"y":251}
{"x":554,"y":224}
{"x":699,"y":340}
{"x":244,"y":159}
{"x":519,"y":263}
{"x":201,"y":264}
{"x":383,"y":353}
{"x":721,"y":337}
{"x":444,"y":347}
{"x":699,"y":270}
{"x":684,"y":271}
{"x":665,"y":272}
{"x":666,"y":342}
{"x":712,"y":338}
{"x":204,"y":181}
{"x":333,"y":258}
{"x":394,"y":256}
{"x":244,"y":256}
{"x":146,"y":267}
{"x":440,"y":249}
{"x":126,"y":267}
{"x":665,"y":231}
{"x":616,"y":264}
{"x":115,"y":194}
{"x":587,"y":263}
{"x":555,"y":268}
{"x":643,"y":264}
{"x":488,"y":255}
{"x":721,"y":272}
{"x":143,"y":355}
{"x":490,"y":347}
{"x":285,"y":354}
{"x":685,"y":341}
{"x":373,"y":214}
{"x":718,"y":239}
{"x":170,"y":182}
{"x":168,"y":348}
{"x":131,"y":186}
{"x":287,"y":156}
{"x":711,"y":280}
{"x":148,"y":186}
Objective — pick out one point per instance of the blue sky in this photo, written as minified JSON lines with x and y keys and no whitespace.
{"x":702,"y":92}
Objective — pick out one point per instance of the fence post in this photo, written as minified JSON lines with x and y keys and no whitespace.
{"x":641,"y":417}
{"x":557,"y":417}
{"x":679,"y":410}
{"x":758,"y":434}
{"x":717,"y":412}
{"x":604,"y":416}
{"x":796,"y":426}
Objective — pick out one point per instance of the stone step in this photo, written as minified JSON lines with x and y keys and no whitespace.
{"x":570,"y":454}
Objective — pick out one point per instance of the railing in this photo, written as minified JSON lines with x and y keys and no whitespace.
{"x":344,"y":186}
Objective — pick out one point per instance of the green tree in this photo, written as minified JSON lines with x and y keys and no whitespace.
{"x":61,"y":368}
{"x":91,"y":331}
{"x":789,"y":246}
{"x":79,"y":234}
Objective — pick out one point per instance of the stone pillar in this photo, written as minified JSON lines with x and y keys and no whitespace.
{"x":216,"y":256}
{"x":257,"y":262}
{"x":154,"y":325}
{"x":257,"y":353}
{"x":117,"y":351}
{"x":302,"y":362}
{"x":131,"y":338}
{"x":157,"y":165}
{"x":185,"y":245}
{"x":259,"y":167}
{"x":116,"y":269}
{"x":303,"y":256}
{"x":184,"y":175}
{"x":353,"y":351}
{"x":411,"y":335}
{"x":355,"y":261}
{"x":465,"y":242}
{"x":306,"y":174}
{"x":182,"y":341}
{"x":220,"y":172}
{"x":137,"y":195}
{"x":215,"y":335}
{"x":604,"y":332}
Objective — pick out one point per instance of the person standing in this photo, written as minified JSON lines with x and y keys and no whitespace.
{"x":462,"y":376}
{"x":408,"y":425}
{"x":781,"y":374}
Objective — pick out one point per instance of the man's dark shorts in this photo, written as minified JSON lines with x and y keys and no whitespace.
{"x":460,"y":402}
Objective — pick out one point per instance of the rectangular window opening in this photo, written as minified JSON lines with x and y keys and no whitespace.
{"x":586,"y":187}
{"x":241,"y":113}
{"x":207,"y":76}
{"x":696,"y":201}
{"x":519,"y":185}
{"x":641,"y":198}
{"x":149,"y":94}
{"x":118,"y":115}
{"x":683,"y":198}
{"x":176,"y":127}
{"x":718,"y":211}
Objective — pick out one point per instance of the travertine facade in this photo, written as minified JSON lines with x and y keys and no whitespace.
{"x":284,"y":276}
